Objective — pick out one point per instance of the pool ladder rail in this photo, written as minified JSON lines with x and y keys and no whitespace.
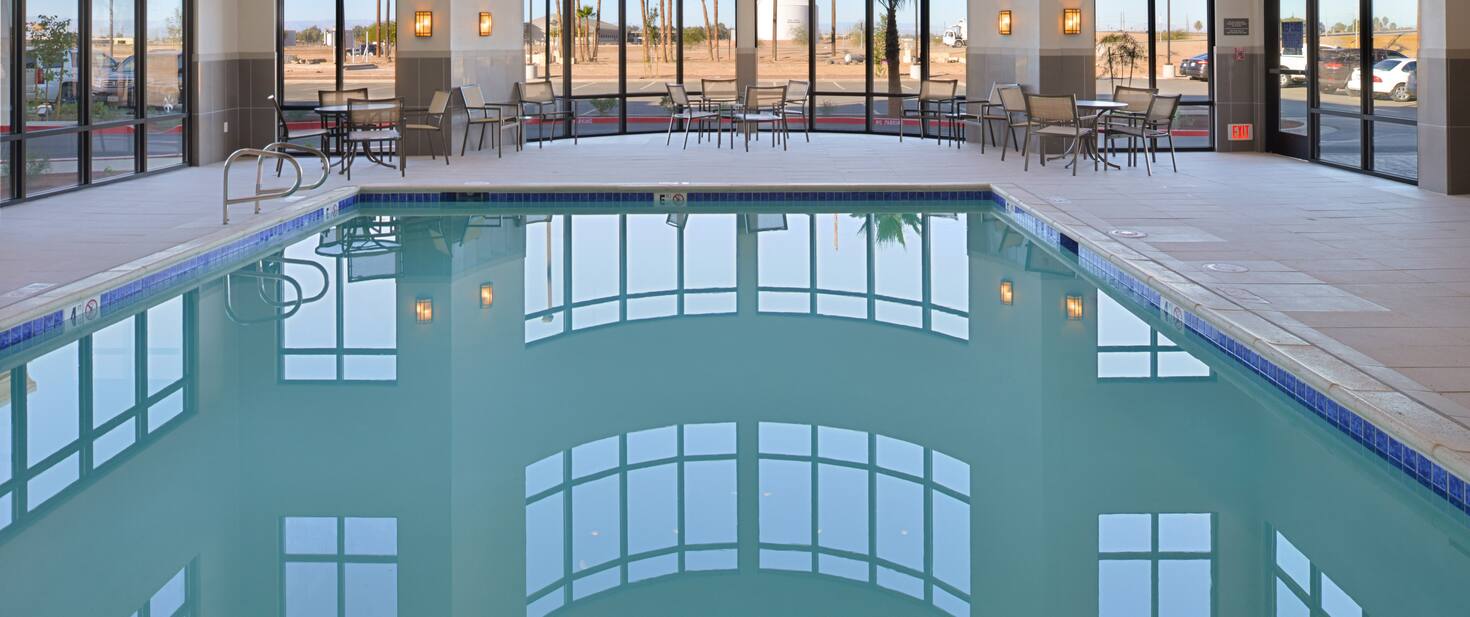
{"x":270,"y":277}
{"x":279,"y":151}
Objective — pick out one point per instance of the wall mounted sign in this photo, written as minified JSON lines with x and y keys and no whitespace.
{"x":1237,"y":26}
{"x":1240,"y":132}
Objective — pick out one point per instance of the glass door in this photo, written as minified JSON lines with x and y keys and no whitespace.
{"x":1290,"y":75}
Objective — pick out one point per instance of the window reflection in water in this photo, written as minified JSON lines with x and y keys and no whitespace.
{"x":1155,"y":564}
{"x":173,"y":599}
{"x":918,"y":276}
{"x":1303,"y":589}
{"x":351,"y":333}
{"x":670,"y":265}
{"x":679,"y":515}
{"x":672,"y":492}
{"x":1129,"y":348}
{"x":818,"y":515}
{"x":87,"y":402}
{"x":339,"y":566}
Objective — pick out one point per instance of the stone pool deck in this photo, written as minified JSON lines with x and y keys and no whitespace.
{"x":1365,"y":281}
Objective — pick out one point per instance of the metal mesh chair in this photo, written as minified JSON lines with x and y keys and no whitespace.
{"x":798,"y":97}
{"x":431,"y":121}
{"x":1157,"y":122}
{"x":762,"y":105}
{"x":1056,"y":116}
{"x":688,"y":112}
{"x":502,"y":116}
{"x":936,"y":96}
{"x":1013,"y":112}
{"x":375,"y":122}
{"x":533,"y":98}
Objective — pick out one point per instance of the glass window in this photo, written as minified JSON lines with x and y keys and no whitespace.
{"x":894,"y":60}
{"x":52,"y":407}
{"x":327,"y":559}
{"x":1304,"y":589}
{"x":114,"y":371}
{"x":164,"y":81}
{"x":1160,"y":564}
{"x":309,"y":63}
{"x":783,"y":38}
{"x":51,"y":161}
{"x":707,"y":55}
{"x":114,"y":41}
{"x":371,"y":47}
{"x":53,"y":57}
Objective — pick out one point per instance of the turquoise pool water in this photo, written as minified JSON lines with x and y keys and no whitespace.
{"x":722,"y":413}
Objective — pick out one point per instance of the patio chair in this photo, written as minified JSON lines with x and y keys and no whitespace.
{"x":1156,"y":123}
{"x":798,"y":97}
{"x":334,"y":122}
{"x":432,"y":122}
{"x":1013,"y":110}
{"x":934,"y":96}
{"x":503,"y":116}
{"x":538,"y":96}
{"x":373,"y":122}
{"x":1138,"y":100}
{"x":762,"y":105}
{"x":991,"y":111}
{"x":687,"y":111}
{"x":1056,"y":116}
{"x":285,"y":132}
{"x":713,"y":92}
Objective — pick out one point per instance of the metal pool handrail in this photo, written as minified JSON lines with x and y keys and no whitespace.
{"x":277,"y":151}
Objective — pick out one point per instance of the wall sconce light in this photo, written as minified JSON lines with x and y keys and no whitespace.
{"x":487,"y":295}
{"x":1007,"y":292}
{"x":1003,"y":23}
{"x":423,"y":310}
{"x":423,"y":24}
{"x":1071,"y":21}
{"x":487,"y":23}
{"x":1074,"y":307}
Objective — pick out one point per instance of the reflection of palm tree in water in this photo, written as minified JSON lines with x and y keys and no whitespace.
{"x":548,"y":317}
{"x":889,"y":226}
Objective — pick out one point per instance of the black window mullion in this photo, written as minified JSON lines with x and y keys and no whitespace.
{"x":339,"y":50}
{"x":138,"y":94}
{"x":1365,"y":81}
{"x":868,"y":67}
{"x":623,"y":58}
{"x":1153,"y":46}
{"x":84,"y":90}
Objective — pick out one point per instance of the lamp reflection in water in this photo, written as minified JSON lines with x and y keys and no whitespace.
{"x":1074,"y":307}
{"x":816,"y":516}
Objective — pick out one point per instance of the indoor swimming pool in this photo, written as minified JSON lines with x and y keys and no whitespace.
{"x":797,"y":409}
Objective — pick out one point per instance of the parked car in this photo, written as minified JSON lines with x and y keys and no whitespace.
{"x":1335,"y":66}
{"x":164,"y":83}
{"x":51,"y":84}
{"x":1197,"y":67}
{"x":1390,"y":78}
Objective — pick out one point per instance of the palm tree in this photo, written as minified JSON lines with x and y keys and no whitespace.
{"x":889,"y":226}
{"x":709,"y":33}
{"x":890,"y":53}
{"x":833,"y":17}
{"x":596,"y":35}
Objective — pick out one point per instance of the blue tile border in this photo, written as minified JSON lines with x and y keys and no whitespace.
{"x":1399,"y":455}
{"x":480,"y":198}
{"x":192,"y":268}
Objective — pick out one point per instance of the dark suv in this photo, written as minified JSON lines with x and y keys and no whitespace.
{"x":1335,"y":66}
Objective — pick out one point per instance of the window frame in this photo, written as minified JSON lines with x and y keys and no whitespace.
{"x":18,"y":141}
{"x":84,"y":445}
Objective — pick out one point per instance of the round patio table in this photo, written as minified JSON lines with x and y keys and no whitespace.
{"x":1101,"y":106}
{"x":337,"y":112}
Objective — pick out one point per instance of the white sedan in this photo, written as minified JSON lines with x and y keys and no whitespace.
{"x":1390,"y":78}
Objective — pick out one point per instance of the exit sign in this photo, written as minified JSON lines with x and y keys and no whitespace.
{"x":1240,"y":132}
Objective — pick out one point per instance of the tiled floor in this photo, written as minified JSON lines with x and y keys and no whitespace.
{"x":1374,"y":272}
